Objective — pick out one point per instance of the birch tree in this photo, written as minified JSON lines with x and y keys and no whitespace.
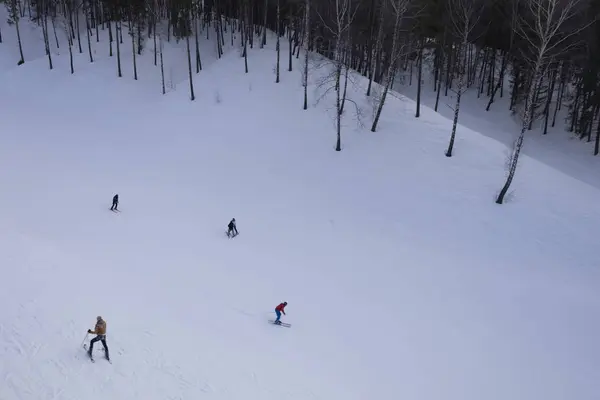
{"x":377,"y":48}
{"x":153,"y":6}
{"x":464,"y":15}
{"x":87,"y":9}
{"x":14,"y":14}
{"x":42,"y":10}
{"x":306,"y":50}
{"x":277,"y":45}
{"x":514,"y":20}
{"x":399,"y":9}
{"x":546,"y":31}
{"x":342,"y":16}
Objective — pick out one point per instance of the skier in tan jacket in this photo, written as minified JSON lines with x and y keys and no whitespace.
{"x":100,"y":331}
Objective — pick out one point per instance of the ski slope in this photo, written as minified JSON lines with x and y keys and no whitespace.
{"x":404,"y":279}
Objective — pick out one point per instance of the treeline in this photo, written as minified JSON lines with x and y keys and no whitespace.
{"x":544,"y":55}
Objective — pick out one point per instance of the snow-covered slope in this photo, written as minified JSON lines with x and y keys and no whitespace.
{"x":404,"y":279}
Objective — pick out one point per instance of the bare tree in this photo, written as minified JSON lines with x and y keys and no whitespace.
{"x":156,"y":15}
{"x":306,"y":50}
{"x":377,"y":48}
{"x":132,"y":34}
{"x":197,"y":10}
{"x":263,"y":40}
{"x":117,"y":32}
{"x":42,"y":11}
{"x":343,"y":15}
{"x":189,"y":57}
{"x":544,"y":30}
{"x":246,"y":32}
{"x":464,"y":15}
{"x":420,"y":76}
{"x":277,"y":46}
{"x":66,"y":5}
{"x":14,"y":13}
{"x":514,"y":19}
{"x":399,"y":9}
{"x":87,"y":8}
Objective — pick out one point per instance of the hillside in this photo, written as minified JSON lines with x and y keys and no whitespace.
{"x":404,"y":278}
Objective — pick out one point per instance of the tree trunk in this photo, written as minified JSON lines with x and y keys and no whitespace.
{"x":459,"y":90}
{"x":390,"y":70}
{"x":375,"y":51}
{"x":131,"y":33}
{"x":439,"y":87}
{"x":500,"y":80}
{"x":46,"y":38}
{"x":96,"y":22}
{"x":420,"y":73}
{"x":162,"y":67}
{"x":78,"y":31}
{"x":198,"y":61}
{"x":597,"y":145}
{"x":117,"y":30}
{"x":53,"y":29}
{"x":306,"y":49}
{"x":338,"y":104}
{"x":16,"y":18}
{"x":154,"y":39}
{"x":561,"y":89}
{"x":263,"y":42}
{"x":277,"y":45}
{"x":549,"y":101}
{"x":519,"y":143}
{"x":89,"y":40}
{"x":110,"y":38}
{"x":245,"y":41}
{"x":189,"y":57}
{"x":290,"y":53}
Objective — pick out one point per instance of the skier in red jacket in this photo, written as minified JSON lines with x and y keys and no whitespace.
{"x":278,"y":310}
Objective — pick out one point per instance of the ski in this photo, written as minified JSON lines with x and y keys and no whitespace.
{"x":88,"y":354}
{"x":280,"y":323}
{"x":92,"y":357}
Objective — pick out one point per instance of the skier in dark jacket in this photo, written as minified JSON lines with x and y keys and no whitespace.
{"x":115,"y":203}
{"x":232,"y":229}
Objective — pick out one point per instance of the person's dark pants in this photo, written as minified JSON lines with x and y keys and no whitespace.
{"x":102,"y":339}
{"x":232,"y":231}
{"x":114,"y":206}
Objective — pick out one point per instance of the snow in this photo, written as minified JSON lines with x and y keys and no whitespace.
{"x":404,"y":279}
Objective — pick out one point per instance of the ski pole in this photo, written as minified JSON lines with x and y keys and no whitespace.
{"x":84,"y":339}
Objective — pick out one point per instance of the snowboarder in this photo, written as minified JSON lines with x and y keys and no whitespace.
{"x":115,"y":203}
{"x":232,"y":229}
{"x":100,"y":332}
{"x":278,"y":310}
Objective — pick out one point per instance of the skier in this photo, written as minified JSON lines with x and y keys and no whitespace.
{"x":278,"y":310}
{"x":100,"y":331}
{"x":232,"y":229}
{"x":115,"y":203}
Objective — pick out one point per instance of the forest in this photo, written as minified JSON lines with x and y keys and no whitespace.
{"x":544,"y":55}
